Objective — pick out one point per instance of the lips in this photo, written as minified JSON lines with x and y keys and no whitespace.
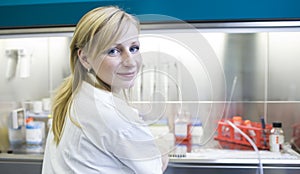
{"x":126,"y":75}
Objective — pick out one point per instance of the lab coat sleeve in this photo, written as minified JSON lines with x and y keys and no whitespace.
{"x":136,"y":149}
{"x":130,"y":143}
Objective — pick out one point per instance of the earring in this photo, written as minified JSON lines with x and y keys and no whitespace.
{"x":92,"y":76}
{"x":89,"y":69}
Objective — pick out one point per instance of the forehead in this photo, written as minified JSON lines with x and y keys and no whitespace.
{"x":129,"y":34}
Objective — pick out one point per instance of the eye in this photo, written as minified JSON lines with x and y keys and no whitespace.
{"x":134,"y":49}
{"x":114,"y":52}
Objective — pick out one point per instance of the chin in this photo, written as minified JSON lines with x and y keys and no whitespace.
{"x":130,"y":85}
{"x":125,"y":85}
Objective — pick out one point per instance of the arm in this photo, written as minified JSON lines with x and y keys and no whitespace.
{"x":130,"y":143}
{"x":136,"y":149}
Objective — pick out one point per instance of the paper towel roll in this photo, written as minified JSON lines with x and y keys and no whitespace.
{"x":24,"y":67}
{"x":11,"y":67}
{"x":24,"y":64}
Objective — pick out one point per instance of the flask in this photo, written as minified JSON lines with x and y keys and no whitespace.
{"x":276,"y":138}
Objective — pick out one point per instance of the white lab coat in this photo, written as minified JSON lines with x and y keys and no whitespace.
{"x":111,"y":139}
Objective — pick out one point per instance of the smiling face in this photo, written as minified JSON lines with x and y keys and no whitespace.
{"x":119,"y":65}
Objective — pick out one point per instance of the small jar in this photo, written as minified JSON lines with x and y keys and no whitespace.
{"x":276,"y":138}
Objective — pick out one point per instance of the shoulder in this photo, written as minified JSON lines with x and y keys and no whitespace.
{"x":87,"y":91}
{"x":94,"y":107}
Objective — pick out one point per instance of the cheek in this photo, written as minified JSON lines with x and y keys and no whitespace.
{"x":107,"y":69}
{"x":139,"y":61}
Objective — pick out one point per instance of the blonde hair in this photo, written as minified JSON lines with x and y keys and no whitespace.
{"x":96,"y":31}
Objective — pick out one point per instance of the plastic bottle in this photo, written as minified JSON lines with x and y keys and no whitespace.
{"x":276,"y":138}
{"x":196,"y":132}
{"x":182,"y":127}
{"x":34,"y":132}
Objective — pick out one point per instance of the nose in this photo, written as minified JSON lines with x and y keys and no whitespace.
{"x":128,"y":59}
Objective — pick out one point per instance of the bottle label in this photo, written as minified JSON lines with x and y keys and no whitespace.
{"x":181,"y":129}
{"x":197,"y":131}
{"x":275,"y":142}
{"x":34,"y":136}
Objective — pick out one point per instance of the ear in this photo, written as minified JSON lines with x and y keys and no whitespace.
{"x":83,"y":59}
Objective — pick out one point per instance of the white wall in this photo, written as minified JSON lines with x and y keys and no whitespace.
{"x":44,"y":53}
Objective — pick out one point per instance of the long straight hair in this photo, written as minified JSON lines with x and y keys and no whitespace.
{"x":96,"y":31}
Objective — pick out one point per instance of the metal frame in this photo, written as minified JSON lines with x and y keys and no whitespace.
{"x":202,"y":25}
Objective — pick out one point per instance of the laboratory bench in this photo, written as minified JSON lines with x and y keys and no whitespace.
{"x":203,"y":161}
{"x":216,"y":161}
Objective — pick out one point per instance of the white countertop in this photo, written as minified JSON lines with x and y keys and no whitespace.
{"x":224,"y":156}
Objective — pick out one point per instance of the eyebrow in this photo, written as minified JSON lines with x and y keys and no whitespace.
{"x":132,"y":43}
{"x":135,"y":42}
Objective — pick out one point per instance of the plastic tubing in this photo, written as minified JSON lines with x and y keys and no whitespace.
{"x":226,"y":109}
{"x":239,"y":130}
{"x":251,"y":142}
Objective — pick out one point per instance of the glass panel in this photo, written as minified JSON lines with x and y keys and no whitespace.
{"x":284,"y":63}
{"x":245,"y":56}
{"x":180,"y":66}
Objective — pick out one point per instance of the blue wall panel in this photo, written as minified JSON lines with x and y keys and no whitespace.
{"x":44,"y":13}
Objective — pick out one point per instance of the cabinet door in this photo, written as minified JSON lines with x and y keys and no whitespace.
{"x":25,"y":167}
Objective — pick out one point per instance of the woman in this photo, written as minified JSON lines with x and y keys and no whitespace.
{"x":94,"y":130}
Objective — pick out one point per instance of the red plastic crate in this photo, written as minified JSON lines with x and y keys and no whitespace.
{"x":226,"y":134}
